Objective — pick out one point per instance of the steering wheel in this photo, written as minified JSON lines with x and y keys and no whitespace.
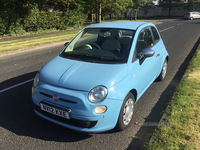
{"x":86,"y":47}
{"x":94,"y":44}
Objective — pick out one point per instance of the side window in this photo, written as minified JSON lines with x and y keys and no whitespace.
{"x":155,"y":34}
{"x":144,"y":41}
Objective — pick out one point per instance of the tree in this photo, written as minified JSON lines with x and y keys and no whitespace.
{"x":103,"y":7}
{"x":33,"y":15}
{"x":169,"y":4}
{"x":138,"y":4}
{"x":122,"y":5}
{"x":12,"y":13}
{"x":93,"y":7}
{"x":109,"y":7}
{"x":149,"y":5}
{"x":190,"y":5}
{"x":89,"y":8}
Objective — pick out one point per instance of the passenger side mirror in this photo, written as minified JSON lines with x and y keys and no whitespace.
{"x":146,"y":53}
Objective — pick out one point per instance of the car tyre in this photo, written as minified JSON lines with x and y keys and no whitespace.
{"x":126,"y":113}
{"x":192,"y":18}
{"x":163,"y":71}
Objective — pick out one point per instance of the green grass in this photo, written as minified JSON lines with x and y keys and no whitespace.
{"x":41,"y":40}
{"x":183,"y":114}
{"x":35,"y":41}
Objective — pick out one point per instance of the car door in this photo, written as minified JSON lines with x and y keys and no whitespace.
{"x":195,"y":15}
{"x":198,"y":14}
{"x":145,"y":71}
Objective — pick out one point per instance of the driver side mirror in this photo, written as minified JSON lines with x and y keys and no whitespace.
{"x":66,"y":43}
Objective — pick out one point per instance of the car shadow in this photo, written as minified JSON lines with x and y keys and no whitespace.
{"x":154,"y":117}
{"x":196,"y":22}
{"x":17,"y":113}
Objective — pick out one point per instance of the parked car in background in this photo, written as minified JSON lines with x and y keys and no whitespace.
{"x":93,"y":84}
{"x":192,"y":15}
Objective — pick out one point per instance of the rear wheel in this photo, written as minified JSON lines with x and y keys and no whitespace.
{"x":163,"y":71}
{"x":126,"y":112}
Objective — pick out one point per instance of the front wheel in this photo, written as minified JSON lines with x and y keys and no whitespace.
{"x":163,"y":71}
{"x":126,"y":112}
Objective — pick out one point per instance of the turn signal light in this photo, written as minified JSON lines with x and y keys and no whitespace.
{"x":100,"y":109}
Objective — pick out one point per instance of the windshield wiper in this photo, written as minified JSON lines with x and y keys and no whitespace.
{"x":72,"y":55}
{"x":90,"y":57}
{"x":104,"y":57}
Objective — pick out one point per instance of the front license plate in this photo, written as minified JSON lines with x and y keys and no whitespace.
{"x":55,"y":111}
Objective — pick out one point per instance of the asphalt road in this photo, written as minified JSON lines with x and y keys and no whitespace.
{"x":21,"y":128}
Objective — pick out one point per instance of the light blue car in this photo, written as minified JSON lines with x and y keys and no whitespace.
{"x":93,"y":84}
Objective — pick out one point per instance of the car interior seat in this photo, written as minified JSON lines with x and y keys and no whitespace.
{"x":112,"y":43}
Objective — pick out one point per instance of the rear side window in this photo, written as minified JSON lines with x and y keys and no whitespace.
{"x":155,"y":34}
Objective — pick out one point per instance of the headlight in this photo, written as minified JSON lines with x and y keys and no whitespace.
{"x":97,"y":94}
{"x":36,"y":79}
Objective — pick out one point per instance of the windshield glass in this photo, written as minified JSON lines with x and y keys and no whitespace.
{"x":100,"y":45}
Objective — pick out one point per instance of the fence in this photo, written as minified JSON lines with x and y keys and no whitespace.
{"x":158,"y":11}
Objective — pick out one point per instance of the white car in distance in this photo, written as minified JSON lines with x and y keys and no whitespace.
{"x":192,"y":15}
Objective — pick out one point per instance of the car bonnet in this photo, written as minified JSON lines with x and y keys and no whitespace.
{"x":79,"y":75}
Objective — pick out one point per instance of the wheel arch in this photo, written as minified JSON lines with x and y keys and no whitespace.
{"x":167,"y":58}
{"x":134,"y":92}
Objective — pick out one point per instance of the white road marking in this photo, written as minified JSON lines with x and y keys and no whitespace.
{"x":167,"y":28}
{"x":16,"y":85}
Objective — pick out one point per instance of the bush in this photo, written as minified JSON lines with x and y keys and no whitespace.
{"x":2,"y":26}
{"x":72,"y":18}
{"x":38,"y":20}
{"x":10,"y":24}
{"x":44,"y":20}
{"x":31,"y":21}
{"x":16,"y":28}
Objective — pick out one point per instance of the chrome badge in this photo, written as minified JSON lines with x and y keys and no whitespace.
{"x":55,"y":97}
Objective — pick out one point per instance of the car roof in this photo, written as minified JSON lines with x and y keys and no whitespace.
{"x":133,"y":25}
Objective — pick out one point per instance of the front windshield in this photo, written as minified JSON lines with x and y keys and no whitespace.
{"x":100,"y":45}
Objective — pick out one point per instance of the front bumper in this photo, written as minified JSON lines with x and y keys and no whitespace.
{"x":83,"y":118}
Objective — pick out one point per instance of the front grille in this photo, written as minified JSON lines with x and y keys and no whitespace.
{"x":71,"y":121}
{"x":61,"y":99}
{"x":47,"y":95}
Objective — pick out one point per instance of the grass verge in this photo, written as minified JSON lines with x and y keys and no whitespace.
{"x":35,"y":41}
{"x":41,"y":40}
{"x":183,"y":114}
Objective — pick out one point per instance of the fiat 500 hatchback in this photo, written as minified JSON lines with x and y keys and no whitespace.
{"x":93,"y":84}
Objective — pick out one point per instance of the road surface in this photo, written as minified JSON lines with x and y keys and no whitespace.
{"x":21,"y":128}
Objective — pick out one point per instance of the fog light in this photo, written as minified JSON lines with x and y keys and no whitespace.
{"x":100,"y":109}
